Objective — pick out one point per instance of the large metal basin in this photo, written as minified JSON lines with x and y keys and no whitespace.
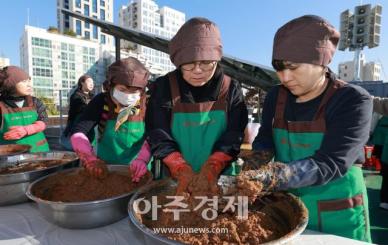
{"x":12,"y":149}
{"x":14,"y":186}
{"x":84,"y":215}
{"x":152,"y":238}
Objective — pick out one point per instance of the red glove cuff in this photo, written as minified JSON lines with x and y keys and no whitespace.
{"x":175,"y":162}
{"x":218,"y":160}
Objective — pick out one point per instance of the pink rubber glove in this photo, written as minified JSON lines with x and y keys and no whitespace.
{"x":138,"y":166}
{"x":18,"y":132}
{"x":89,"y":160}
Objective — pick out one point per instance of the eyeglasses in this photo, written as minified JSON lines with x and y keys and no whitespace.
{"x":205,"y":65}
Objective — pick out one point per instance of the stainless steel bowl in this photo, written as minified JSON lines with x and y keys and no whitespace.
{"x":152,"y":238}
{"x":13,"y":186}
{"x":12,"y":149}
{"x":84,"y":215}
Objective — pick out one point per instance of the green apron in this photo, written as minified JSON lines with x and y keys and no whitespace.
{"x":197,"y":126}
{"x":380,"y":137}
{"x":123,"y":145}
{"x":22,"y":117}
{"x":341,"y":206}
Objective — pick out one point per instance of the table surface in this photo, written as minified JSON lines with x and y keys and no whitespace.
{"x":23,"y":224}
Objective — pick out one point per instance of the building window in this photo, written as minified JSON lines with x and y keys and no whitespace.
{"x":72,"y":66}
{"x":102,"y":14}
{"x":87,"y":25}
{"x":64,"y":65}
{"x":87,"y":35}
{"x":71,"y":57}
{"x":65,"y":84}
{"x":78,"y":3}
{"x":95,"y":32}
{"x":64,"y":46}
{"x":94,"y":6}
{"x":78,"y":27}
{"x":102,"y":3}
{"x":63,"y":56}
{"x":42,"y":72}
{"x":41,"y":42}
{"x":86,"y":10}
{"x":65,"y":74}
{"x":41,"y":52}
{"x":42,"y":62}
{"x":103,"y":39}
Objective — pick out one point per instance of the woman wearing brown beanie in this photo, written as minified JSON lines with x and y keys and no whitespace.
{"x":118,"y":114}
{"x":22,"y":115}
{"x":196,"y":115}
{"x":315,"y":126}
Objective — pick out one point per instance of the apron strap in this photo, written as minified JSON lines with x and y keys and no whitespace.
{"x":281,"y":103}
{"x":3,"y":110}
{"x":333,"y":86}
{"x":29,"y":101}
{"x":175,"y":93}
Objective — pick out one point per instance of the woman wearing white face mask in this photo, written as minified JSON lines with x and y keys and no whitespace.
{"x":119,"y":114}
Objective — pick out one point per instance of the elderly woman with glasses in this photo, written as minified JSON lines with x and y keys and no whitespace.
{"x":196,"y":115}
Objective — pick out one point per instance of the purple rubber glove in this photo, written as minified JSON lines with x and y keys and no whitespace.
{"x":89,"y":160}
{"x":138,"y":167}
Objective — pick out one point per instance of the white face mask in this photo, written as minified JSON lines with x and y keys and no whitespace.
{"x":126,"y":99}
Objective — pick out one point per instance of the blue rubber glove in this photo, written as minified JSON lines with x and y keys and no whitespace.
{"x":277,"y":176}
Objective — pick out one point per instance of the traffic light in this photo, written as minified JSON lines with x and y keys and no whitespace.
{"x":375,"y":27}
{"x":361,"y":25}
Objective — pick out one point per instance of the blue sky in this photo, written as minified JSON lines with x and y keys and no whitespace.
{"x":247,"y":26}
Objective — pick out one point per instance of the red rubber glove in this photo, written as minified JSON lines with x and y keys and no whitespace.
{"x":138,"y":166}
{"x":18,"y":132}
{"x":180,"y":170}
{"x":214,"y":166}
{"x":89,"y":160}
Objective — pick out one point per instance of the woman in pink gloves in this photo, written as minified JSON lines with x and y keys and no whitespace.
{"x":22,"y":115}
{"x":119,"y":114}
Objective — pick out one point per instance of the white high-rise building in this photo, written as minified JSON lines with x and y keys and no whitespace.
{"x":146,"y":16}
{"x":369,"y":71}
{"x":55,"y":61}
{"x":99,"y":9}
{"x":4,"y":62}
{"x":372,"y":72}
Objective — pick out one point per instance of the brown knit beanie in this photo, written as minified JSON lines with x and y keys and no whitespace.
{"x":307,"y":39}
{"x":128,"y":72}
{"x":198,"y":39}
{"x":10,"y":76}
